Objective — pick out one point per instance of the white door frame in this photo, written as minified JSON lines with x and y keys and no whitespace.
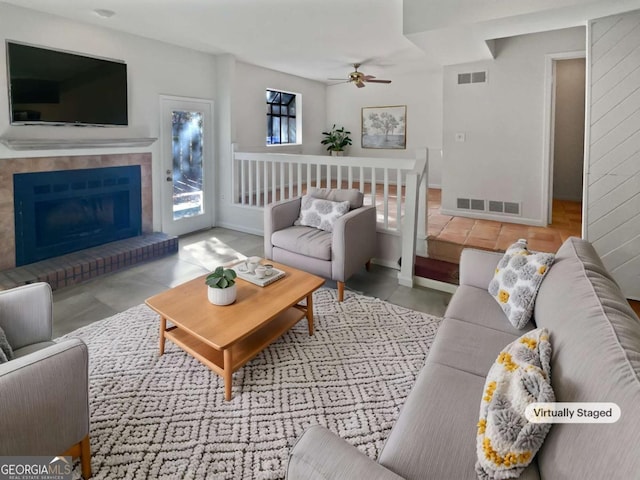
{"x":548,"y":130}
{"x":208,"y":219}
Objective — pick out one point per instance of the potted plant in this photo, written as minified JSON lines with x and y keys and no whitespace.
{"x":222,"y":286}
{"x":336,"y":139}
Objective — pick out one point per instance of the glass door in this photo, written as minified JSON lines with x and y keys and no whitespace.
{"x":187,"y":160}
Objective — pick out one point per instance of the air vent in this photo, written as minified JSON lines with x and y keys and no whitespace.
{"x":497,"y":207}
{"x":464,"y":203}
{"x":477,"y":204}
{"x":510,"y":208}
{"x":472,"y":77}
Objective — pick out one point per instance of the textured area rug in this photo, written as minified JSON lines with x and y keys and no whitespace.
{"x":165,"y":417}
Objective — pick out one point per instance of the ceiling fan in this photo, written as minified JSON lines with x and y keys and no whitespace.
{"x":359,"y":78}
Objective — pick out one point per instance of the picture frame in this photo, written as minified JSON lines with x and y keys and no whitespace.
{"x":384,"y":127}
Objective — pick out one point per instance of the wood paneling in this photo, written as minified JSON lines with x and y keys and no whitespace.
{"x":613,"y":175}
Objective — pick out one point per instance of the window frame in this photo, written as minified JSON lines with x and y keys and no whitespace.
{"x":297,"y":116}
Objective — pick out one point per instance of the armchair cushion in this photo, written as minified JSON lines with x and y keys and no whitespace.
{"x":320,"y":213}
{"x":307,"y":241}
{"x":6,"y":352}
{"x":34,"y":347}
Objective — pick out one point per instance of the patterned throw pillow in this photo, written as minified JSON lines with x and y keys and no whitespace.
{"x":6,"y":352}
{"x":319,"y":213}
{"x":517,"y":279}
{"x":506,"y":441}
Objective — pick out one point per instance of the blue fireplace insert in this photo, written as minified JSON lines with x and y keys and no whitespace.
{"x":69,"y":210}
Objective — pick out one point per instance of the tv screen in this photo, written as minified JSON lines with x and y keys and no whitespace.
{"x":55,"y":87}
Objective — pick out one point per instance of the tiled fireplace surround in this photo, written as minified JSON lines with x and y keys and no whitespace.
{"x":143,"y":248}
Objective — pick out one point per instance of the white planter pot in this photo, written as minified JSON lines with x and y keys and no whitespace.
{"x":222,"y":296}
{"x":335,"y":153}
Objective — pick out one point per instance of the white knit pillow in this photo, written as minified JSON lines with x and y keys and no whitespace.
{"x":320,"y":213}
{"x":506,"y":441}
{"x":517,"y":279}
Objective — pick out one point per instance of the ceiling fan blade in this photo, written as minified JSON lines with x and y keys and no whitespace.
{"x":338,"y":79}
{"x":368,"y":78}
{"x":378,"y":81}
{"x":360,"y":84}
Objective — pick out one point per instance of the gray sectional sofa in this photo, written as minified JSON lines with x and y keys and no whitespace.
{"x":595,"y":338}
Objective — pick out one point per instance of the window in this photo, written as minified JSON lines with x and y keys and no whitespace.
{"x":282,"y":122}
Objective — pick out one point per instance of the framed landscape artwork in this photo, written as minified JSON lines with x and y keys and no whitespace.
{"x":384,"y":127}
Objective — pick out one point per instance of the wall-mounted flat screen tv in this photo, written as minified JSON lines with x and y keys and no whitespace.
{"x":54,"y":87}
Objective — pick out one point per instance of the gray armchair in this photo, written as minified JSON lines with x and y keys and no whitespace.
{"x":44,"y":391}
{"x":336,"y":255}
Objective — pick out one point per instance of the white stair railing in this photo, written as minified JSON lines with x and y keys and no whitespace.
{"x":396,"y":186}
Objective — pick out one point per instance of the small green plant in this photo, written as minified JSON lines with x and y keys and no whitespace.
{"x":221,"y":278}
{"x":336,"y":139}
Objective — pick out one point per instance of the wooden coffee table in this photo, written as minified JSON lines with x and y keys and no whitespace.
{"x":225,"y":338}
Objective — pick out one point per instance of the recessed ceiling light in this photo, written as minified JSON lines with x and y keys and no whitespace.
{"x":104,"y":13}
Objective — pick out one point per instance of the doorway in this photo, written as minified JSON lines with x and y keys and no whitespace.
{"x":567,"y":74}
{"x":186,"y":133}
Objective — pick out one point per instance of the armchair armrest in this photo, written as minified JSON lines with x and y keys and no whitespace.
{"x":477,"y":267}
{"x":44,"y":400}
{"x":26,"y":314}
{"x":321,"y":455}
{"x":277,"y":216}
{"x":353,"y":242}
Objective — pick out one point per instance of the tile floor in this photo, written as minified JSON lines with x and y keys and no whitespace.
{"x":199,"y":253}
{"x":448,"y":235}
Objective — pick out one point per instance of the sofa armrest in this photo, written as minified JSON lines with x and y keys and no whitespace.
{"x":353,"y":242}
{"x":26,"y":314}
{"x":278,"y":216}
{"x":321,"y":455}
{"x":477,"y":267}
{"x":44,"y":400}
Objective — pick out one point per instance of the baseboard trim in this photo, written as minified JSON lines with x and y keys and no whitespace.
{"x":435,"y":285}
{"x":534,"y":222}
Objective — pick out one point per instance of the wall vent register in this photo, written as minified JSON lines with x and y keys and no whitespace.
{"x":494,"y":206}
{"x":472,"y":77}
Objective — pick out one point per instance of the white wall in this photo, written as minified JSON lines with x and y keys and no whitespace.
{"x":502,"y":120}
{"x":154,"y":68}
{"x":421,"y":92}
{"x":241,"y":117}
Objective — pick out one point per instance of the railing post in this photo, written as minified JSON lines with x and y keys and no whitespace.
{"x":415,"y":180}
{"x":423,"y":195}
{"x":409,"y":227}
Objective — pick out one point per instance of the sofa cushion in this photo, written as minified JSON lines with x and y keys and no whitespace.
{"x":434,"y":437}
{"x":596,"y":358}
{"x":506,"y":440}
{"x":352,"y":195}
{"x":34,"y":347}
{"x":320,"y":213}
{"x":467,"y":346}
{"x":517,"y":279}
{"x":307,"y":241}
{"x":475,"y":305}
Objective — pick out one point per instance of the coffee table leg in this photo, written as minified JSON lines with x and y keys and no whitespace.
{"x":163,"y":328}
{"x":228,"y":374}
{"x":310,"y":313}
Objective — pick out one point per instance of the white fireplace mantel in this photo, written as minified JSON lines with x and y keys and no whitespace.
{"x":69,"y":143}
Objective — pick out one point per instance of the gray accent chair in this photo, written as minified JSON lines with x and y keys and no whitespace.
{"x":336,"y":255}
{"x":44,"y":390}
